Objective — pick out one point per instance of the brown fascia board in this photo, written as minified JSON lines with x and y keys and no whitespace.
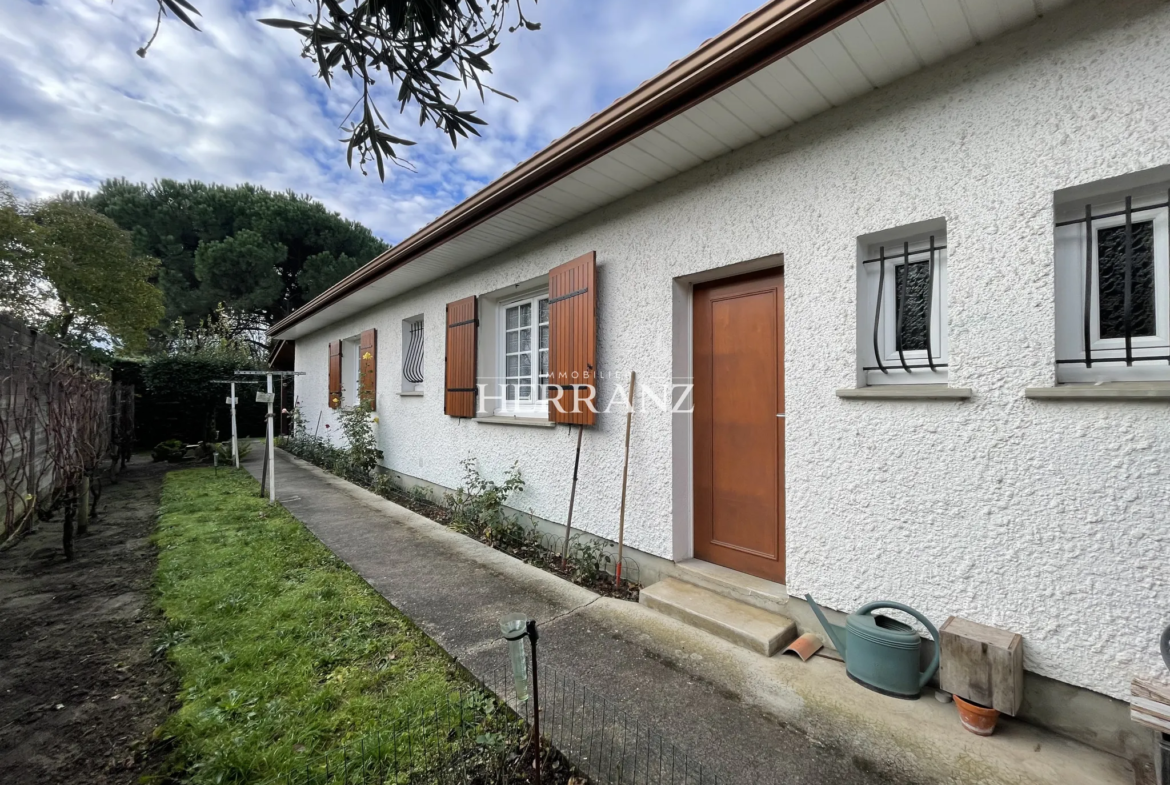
{"x":757,"y":40}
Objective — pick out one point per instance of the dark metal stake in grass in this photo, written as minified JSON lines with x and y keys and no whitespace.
{"x":532,"y":637}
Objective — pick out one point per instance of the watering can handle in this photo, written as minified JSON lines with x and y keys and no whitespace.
{"x":933,"y":666}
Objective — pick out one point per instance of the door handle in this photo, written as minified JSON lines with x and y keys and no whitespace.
{"x":779,"y":415}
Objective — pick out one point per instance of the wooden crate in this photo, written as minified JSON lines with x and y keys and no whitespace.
{"x":1149,"y":705}
{"x":982,"y":664}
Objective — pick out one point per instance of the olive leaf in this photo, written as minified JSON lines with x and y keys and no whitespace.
{"x":426,"y":47}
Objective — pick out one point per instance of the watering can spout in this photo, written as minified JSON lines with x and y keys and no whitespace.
{"x":835,"y":632}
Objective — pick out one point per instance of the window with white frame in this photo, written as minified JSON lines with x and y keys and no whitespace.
{"x":350,"y":368}
{"x":903,"y":306}
{"x":1113,"y":287}
{"x":523,"y":353}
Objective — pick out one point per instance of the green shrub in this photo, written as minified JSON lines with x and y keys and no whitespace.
{"x":361,"y":453}
{"x":384,"y":484}
{"x":185,"y":386}
{"x":477,"y":507}
{"x":171,"y":451}
{"x":420,"y":493}
{"x":224,"y":450}
{"x":589,"y":560}
{"x":356,"y":461}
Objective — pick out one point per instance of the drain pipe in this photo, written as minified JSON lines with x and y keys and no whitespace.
{"x":1164,"y":749}
{"x":1164,"y":742}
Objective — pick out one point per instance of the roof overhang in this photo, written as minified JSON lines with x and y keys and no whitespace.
{"x":777,"y":66}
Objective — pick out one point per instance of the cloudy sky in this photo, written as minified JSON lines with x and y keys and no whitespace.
{"x":236,"y":103}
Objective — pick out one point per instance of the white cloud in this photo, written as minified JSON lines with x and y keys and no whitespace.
{"x":236,"y":103}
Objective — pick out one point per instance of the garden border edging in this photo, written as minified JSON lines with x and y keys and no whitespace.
{"x":465,"y":546}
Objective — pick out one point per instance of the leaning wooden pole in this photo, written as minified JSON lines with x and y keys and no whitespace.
{"x":572,"y":498}
{"x":617,"y":580}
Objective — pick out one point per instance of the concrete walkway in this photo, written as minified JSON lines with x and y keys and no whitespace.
{"x":749,"y":718}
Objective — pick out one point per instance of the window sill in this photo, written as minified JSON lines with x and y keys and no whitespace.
{"x":1106,"y":391}
{"x":414,"y":394}
{"x":906,"y":392}
{"x":528,"y":422}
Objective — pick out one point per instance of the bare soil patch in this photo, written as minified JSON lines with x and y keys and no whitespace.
{"x":80,"y":692}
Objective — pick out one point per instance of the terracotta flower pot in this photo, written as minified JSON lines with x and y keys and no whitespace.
{"x":980,"y":720}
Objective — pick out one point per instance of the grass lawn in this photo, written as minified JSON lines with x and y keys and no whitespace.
{"x":283,"y":652}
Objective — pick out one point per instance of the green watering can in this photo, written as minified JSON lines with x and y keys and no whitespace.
{"x":882,"y":653}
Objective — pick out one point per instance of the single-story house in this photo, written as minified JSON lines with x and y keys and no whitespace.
{"x":894,"y":278}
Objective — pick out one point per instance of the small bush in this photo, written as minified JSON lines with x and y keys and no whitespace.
{"x":224,"y":450}
{"x":477,"y":507}
{"x":361,"y":455}
{"x":420,"y":493}
{"x":589,"y":560}
{"x":311,"y":447}
{"x":384,"y":485}
{"x":357,"y":461}
{"x":171,"y":451}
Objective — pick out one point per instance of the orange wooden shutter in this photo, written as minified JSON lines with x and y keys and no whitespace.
{"x":572,"y":352}
{"x":335,"y":375}
{"x":462,"y":333}
{"x":368,"y":367}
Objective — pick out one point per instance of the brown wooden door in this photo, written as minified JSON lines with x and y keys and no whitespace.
{"x":739,"y":440}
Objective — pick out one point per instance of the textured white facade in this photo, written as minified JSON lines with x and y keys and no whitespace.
{"x":1051,"y":519}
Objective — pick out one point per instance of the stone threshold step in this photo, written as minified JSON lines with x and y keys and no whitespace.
{"x":764,"y":594}
{"x":736,"y":622}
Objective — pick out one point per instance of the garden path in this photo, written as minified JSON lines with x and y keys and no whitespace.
{"x":750,"y":719}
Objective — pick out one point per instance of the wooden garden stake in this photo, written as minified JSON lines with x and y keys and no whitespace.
{"x":617,"y":580}
{"x":572,"y":498}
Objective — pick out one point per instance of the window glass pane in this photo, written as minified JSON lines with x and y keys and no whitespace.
{"x":512,"y":342}
{"x":525,"y":364}
{"x":525,"y":392}
{"x":544,"y":336}
{"x":910,"y":299}
{"x":512,"y":366}
{"x":1111,"y":280}
{"x":525,"y":314}
{"x":544,"y":310}
{"x":544,"y":363}
{"x":525,"y":340}
{"x":513,"y":318}
{"x":510,"y":390}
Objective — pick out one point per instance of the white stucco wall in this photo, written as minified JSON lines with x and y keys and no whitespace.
{"x":1049,"y":519}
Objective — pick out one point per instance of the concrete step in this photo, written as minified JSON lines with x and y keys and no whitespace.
{"x":737,"y":622}
{"x":764,"y":594}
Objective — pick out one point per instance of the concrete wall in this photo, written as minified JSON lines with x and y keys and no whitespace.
{"x":1048,"y":519}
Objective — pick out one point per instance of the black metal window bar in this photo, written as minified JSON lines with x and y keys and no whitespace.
{"x":412,"y":361}
{"x":914,"y":276}
{"x":1125,"y":261}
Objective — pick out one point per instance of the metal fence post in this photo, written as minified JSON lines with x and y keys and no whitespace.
{"x":532,"y":637}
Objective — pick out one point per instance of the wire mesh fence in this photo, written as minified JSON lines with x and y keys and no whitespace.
{"x":605,"y":742}
{"x":483,"y":735}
